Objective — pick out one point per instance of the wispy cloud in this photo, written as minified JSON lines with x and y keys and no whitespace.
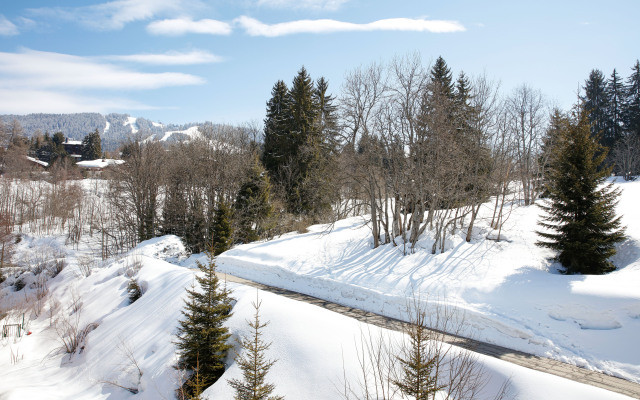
{"x":21,"y":101}
{"x":311,"y":4}
{"x":116,"y":14}
{"x":39,"y":69}
{"x":181,"y":26}
{"x":171,"y":58}
{"x":7,"y":28}
{"x":38,"y":81}
{"x":256,"y":28}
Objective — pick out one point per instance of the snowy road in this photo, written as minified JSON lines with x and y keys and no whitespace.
{"x":541,"y":364}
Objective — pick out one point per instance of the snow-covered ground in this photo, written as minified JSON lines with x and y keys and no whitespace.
{"x":510,"y":292}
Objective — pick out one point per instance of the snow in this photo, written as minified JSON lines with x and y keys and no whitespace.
{"x":510,"y":292}
{"x":191,"y":132}
{"x":107,"y":126}
{"x":511,"y":295}
{"x":131,"y":121}
{"x":99,"y":163}
{"x":35,"y":160}
{"x":157,"y":124}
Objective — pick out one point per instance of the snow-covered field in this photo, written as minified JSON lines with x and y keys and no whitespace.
{"x":510,"y":292}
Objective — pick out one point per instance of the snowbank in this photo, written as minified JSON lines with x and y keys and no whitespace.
{"x":511,"y":293}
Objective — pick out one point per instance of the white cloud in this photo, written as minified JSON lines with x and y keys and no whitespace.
{"x":21,"y":101}
{"x":171,"y":58}
{"x":180,"y":26}
{"x":116,"y":14}
{"x":312,"y":4}
{"x":7,"y":28}
{"x":40,"y":70}
{"x":257,"y":28}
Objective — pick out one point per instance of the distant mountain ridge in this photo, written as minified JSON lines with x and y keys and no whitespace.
{"x":114,"y":128}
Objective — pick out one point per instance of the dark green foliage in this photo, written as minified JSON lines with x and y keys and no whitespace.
{"x":595,"y":104}
{"x":615,"y":108}
{"x":420,"y":363}
{"x":631,"y":115}
{"x":442,"y":79}
{"x":253,"y":209}
{"x":202,"y":337}
{"x":47,"y":148}
{"x":133,"y":290}
{"x":174,"y":212}
{"x":222,"y":230}
{"x":580,"y":219}
{"x":254,"y":364}
{"x":91,"y":146}
{"x":277,"y":146}
{"x":196,"y":235}
{"x":300,"y":138}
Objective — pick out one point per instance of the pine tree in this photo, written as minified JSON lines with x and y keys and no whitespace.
{"x":91,"y":147}
{"x":419,"y":363}
{"x":615,"y":109}
{"x":551,"y":141}
{"x":580,"y":219}
{"x":277,"y":146}
{"x":253,"y":209}
{"x":174,"y":211}
{"x":196,"y":235}
{"x":595,"y":103}
{"x":442,"y":79}
{"x":631,"y":113}
{"x":202,"y":337}
{"x":222,"y":231}
{"x":254,"y":364}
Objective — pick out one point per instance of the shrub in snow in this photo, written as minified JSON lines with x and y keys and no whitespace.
{"x":134,"y":290}
{"x":57,"y":267}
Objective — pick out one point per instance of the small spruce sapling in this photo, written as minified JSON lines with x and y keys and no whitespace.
{"x":254,"y":364}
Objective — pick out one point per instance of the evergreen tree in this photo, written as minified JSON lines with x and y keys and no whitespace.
{"x":595,"y":103}
{"x":419,"y":363}
{"x":278,"y":149}
{"x":196,"y":236}
{"x":580,"y":219}
{"x":174,"y":211}
{"x":91,"y":147}
{"x":615,"y":109}
{"x":551,"y":141}
{"x":254,"y":364}
{"x":632,"y":107}
{"x":202,"y":337}
{"x":222,"y":231}
{"x":442,"y":79}
{"x":253,"y":209}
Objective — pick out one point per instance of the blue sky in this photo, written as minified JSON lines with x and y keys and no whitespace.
{"x":195,"y":60}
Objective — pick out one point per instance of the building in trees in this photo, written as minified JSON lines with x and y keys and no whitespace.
{"x":202,"y":336}
{"x":580,"y":221}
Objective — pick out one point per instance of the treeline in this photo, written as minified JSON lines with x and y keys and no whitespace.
{"x":415,"y":148}
{"x":613,"y":109}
